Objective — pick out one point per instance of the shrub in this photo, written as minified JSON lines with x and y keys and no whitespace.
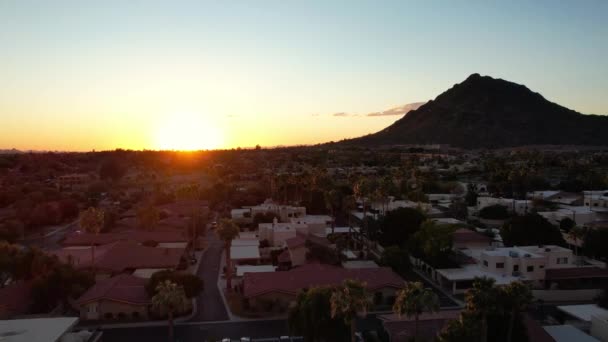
{"x":494,"y":212}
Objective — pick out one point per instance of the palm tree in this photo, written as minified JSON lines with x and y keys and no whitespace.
{"x":361,"y":191}
{"x":170,"y":298}
{"x":576,"y":233}
{"x":91,"y":220}
{"x":227,"y":231}
{"x":348,"y":301}
{"x":413,"y":300}
{"x":481,"y":298}
{"x":518,"y":296}
{"x":333,"y":200}
{"x":147,"y":217}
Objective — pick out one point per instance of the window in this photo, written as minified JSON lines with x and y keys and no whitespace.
{"x":485,"y":263}
{"x":563,"y":260}
{"x":500,"y":265}
{"x":515,"y":268}
{"x":530,"y":269}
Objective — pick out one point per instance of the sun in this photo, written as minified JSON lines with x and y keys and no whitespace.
{"x":187,"y":132}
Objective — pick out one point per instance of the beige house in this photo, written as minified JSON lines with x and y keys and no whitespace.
{"x":118,"y":298}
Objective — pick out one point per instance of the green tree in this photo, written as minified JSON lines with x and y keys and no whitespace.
{"x":494,"y":212}
{"x":311,"y":317}
{"x":349,"y":300}
{"x":518,"y":296}
{"x":413,"y":300}
{"x":433,"y":242}
{"x":566,"y":224}
{"x":148,"y":217}
{"x":92,"y":220}
{"x":577,"y":234}
{"x":192,"y":284}
{"x":228,"y":231}
{"x":170,"y":299}
{"x":595,"y":242}
{"x":531,"y":229}
{"x":481,"y":299}
{"x":396,"y":258}
{"x":399,"y":225}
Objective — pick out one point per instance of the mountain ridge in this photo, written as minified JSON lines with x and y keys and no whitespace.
{"x":486,"y":112}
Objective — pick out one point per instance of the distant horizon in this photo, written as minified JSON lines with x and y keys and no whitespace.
{"x":204,"y":75}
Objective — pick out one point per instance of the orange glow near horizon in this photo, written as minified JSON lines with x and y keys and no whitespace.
{"x":187,"y":131}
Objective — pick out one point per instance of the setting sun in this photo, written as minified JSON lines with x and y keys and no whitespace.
{"x":187,"y":132}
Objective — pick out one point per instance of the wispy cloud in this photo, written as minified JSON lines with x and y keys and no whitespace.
{"x":401,"y":110}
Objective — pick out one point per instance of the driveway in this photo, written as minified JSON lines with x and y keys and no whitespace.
{"x":210,"y":306}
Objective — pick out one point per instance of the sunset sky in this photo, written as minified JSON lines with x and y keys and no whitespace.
{"x":82,"y":75}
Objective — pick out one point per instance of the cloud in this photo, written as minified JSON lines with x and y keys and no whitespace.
{"x":401,"y":110}
{"x":343,"y":114}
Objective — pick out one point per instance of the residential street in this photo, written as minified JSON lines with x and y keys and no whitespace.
{"x":199,"y":332}
{"x":210,"y":306}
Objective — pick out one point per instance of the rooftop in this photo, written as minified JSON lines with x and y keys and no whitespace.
{"x":36,"y":329}
{"x":310,"y":275}
{"x":244,"y":252}
{"x":241,"y":270}
{"x":568,"y":333}
{"x":583,"y":312}
{"x":121,"y":288}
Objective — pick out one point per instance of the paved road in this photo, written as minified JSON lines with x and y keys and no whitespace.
{"x":199,"y":332}
{"x":51,"y":236}
{"x":209,"y":303}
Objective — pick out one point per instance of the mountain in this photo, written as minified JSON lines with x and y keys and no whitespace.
{"x":484,"y":112}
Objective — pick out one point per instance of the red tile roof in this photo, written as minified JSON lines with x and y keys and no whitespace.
{"x":311,"y":275}
{"x":576,"y":273}
{"x":121,"y":255}
{"x":130,"y":255}
{"x":15,"y":299}
{"x":123,"y":288}
{"x":295,"y":242}
{"x":401,"y":329}
{"x":464,"y":236}
{"x":86,"y":239}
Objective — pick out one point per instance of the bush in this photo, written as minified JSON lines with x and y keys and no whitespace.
{"x":192,"y":284}
{"x":494,"y":212}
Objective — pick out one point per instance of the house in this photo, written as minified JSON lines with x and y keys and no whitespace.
{"x":120,"y":297}
{"x":45,"y":330}
{"x":401,"y":329}
{"x":15,"y":299}
{"x":244,"y":255}
{"x":282,"y":287}
{"x":122,"y":256}
{"x":596,"y":200}
{"x":508,"y":264}
{"x":276,"y":233}
{"x":296,"y":247}
{"x":174,"y":239}
{"x":316,"y":224}
{"x":284,"y":212}
{"x":584,"y":318}
{"x":519,"y":207}
{"x":463,"y":238}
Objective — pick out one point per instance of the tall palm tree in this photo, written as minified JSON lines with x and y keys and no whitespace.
{"x":333,"y":200}
{"x":348,"y":301}
{"x":227,"y":231}
{"x":170,"y":298}
{"x":413,"y":300}
{"x":518,"y":296}
{"x":91,"y":220}
{"x":576,"y":233}
{"x":361,"y":191}
{"x":481,"y":298}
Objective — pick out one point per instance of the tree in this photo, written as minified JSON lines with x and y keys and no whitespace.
{"x":227,"y":231}
{"x":481,"y":299}
{"x":311,"y":317}
{"x":92,"y":220}
{"x":170,"y":299}
{"x":566,"y":224}
{"x":57,"y":283}
{"x":112,"y":169}
{"x":192,"y":284}
{"x":398,"y":225}
{"x":494,"y":212}
{"x":595,"y":242}
{"x":530,"y":229}
{"x":333,"y":200}
{"x":413,"y":300}
{"x":396,"y":258}
{"x":518,"y":296}
{"x":433,"y":242}
{"x":148,"y":217}
{"x":349,"y":300}
{"x":472,"y":194}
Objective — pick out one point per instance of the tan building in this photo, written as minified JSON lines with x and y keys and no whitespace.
{"x":118,"y":298}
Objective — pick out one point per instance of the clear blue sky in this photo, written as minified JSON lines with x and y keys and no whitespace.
{"x":275,"y":71}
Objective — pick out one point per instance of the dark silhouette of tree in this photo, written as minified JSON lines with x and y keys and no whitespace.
{"x":530,"y":229}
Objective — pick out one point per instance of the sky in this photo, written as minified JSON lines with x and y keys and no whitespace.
{"x":83,"y":75}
